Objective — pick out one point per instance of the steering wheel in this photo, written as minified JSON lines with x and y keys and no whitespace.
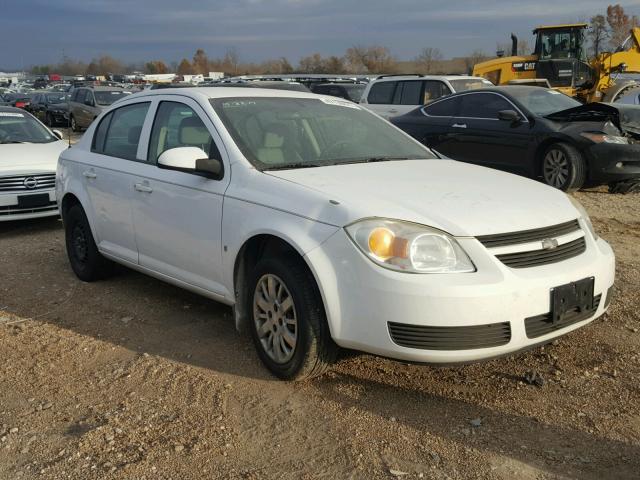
{"x":336,"y":148}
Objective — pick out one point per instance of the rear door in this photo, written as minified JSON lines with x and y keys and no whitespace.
{"x":380,"y":98}
{"x":479,"y":136}
{"x":178,"y":215}
{"x":109,"y":174}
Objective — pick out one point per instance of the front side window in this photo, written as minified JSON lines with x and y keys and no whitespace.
{"x":443,"y":108}
{"x":177,"y":125}
{"x":433,"y":90}
{"x":482,"y":105}
{"x":382,"y":93}
{"x":119,"y":132}
{"x":277,"y":133}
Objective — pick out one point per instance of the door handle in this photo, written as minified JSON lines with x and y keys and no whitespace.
{"x":459,"y":125}
{"x":89,"y":174}
{"x":141,"y":187}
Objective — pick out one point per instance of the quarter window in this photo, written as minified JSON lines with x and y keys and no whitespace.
{"x":482,"y":105}
{"x":382,"y":93}
{"x":411,"y":93}
{"x":119,"y":132}
{"x":443,"y":108}
{"x":177,"y":125}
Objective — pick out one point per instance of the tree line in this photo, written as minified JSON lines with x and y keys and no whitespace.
{"x":608,"y":32}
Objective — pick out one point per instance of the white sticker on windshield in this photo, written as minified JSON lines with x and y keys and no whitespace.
{"x":11,"y":114}
{"x":339,"y":103}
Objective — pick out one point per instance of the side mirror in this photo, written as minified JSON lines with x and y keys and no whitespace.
{"x":57,"y":133}
{"x":89,"y":102}
{"x":191,"y":160}
{"x":508,"y":115}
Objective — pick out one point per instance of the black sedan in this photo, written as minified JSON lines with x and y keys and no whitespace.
{"x":536,"y":132}
{"x":52,"y":108}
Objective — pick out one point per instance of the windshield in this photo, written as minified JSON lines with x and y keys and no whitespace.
{"x":108,"y":97}
{"x":354,"y":92}
{"x":542,"y":101}
{"x":561,"y":44}
{"x":56,"y":97}
{"x":304,"y":132}
{"x":463,"y":85}
{"x":17,"y":127}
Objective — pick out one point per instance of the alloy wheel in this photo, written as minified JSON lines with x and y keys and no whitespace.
{"x":556,"y":168}
{"x":275,"y":318}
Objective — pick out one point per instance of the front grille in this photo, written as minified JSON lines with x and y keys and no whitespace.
{"x":541,"y":324}
{"x":450,"y":338}
{"x":526,"y":236}
{"x":39,"y":181}
{"x":15,"y":210}
{"x":535,"y":258}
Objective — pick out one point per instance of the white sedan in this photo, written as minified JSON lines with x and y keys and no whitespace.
{"x":324,"y":226}
{"x":28,"y":158}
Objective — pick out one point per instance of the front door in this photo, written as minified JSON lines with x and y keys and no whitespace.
{"x":178,"y":215}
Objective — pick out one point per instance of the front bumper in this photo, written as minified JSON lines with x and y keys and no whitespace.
{"x":612,"y":162}
{"x":362,"y":299}
{"x":9,"y":209}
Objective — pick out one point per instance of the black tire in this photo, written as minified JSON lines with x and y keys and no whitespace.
{"x":85,"y":259}
{"x":74,"y":124}
{"x":625,"y":186}
{"x":314,"y":351}
{"x":563,"y":167}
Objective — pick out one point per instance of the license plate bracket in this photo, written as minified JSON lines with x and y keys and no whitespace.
{"x":572,"y":297}
{"x":33,"y":201}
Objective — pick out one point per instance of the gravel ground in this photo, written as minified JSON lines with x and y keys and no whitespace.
{"x":131,"y":378}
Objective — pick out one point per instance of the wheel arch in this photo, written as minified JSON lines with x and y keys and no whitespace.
{"x":544,"y":146}
{"x":258,"y":246}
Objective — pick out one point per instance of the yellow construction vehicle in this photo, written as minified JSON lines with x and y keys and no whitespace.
{"x":560,"y":61}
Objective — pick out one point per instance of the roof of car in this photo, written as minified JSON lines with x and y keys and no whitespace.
{"x":101,"y":88}
{"x":228,"y":92}
{"x":12,"y":109}
{"x":427,"y":77}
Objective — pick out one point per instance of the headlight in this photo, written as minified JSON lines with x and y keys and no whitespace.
{"x":584,"y":215}
{"x":604,"y":138}
{"x":409,"y":247}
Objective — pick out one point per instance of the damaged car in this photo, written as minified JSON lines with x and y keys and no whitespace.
{"x":535,"y":132}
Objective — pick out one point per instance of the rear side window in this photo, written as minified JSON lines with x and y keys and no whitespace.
{"x":382,"y":93}
{"x":443,"y":108}
{"x":411,"y":93}
{"x":119,"y":132}
{"x":482,"y":105}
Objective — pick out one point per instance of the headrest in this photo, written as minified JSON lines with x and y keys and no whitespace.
{"x":193,"y":132}
{"x":273,"y":140}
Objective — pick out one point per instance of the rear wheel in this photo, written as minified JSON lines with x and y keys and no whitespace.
{"x":288,"y":323}
{"x":563,"y":167}
{"x":85,"y":259}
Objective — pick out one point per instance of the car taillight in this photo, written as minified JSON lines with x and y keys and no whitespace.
{"x":21,"y":104}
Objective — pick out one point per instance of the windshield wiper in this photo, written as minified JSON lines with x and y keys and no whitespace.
{"x":374,"y":159}
{"x":12,"y":141}
{"x":287,"y":166}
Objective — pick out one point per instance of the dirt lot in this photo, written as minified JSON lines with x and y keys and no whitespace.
{"x":131,"y":378}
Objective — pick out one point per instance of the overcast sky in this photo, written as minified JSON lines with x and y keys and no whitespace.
{"x":40,"y":31}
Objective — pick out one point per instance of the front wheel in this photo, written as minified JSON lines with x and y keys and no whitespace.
{"x":85,"y":259}
{"x":288,"y":322}
{"x":563,"y":167}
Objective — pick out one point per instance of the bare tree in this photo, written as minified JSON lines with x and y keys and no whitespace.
{"x":474,"y":58}
{"x":200,"y":62}
{"x":231,"y":61}
{"x":372,"y":59}
{"x":185,"y":67}
{"x":427,"y":59}
{"x":597,"y":33}
{"x":619,"y":24}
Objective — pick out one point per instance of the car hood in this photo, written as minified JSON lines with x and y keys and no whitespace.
{"x":461,"y":199}
{"x":18,"y":158}
{"x":624,"y":117}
